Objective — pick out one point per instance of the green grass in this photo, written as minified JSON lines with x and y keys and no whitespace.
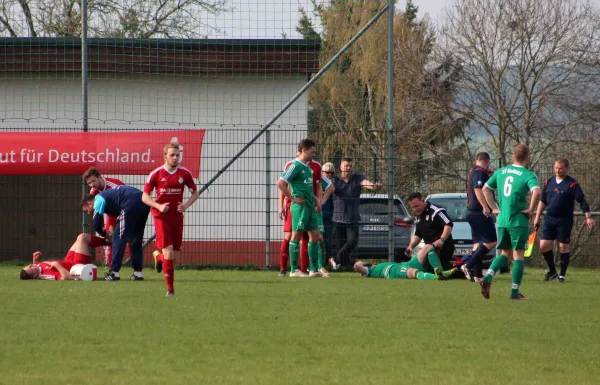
{"x":231,"y":327}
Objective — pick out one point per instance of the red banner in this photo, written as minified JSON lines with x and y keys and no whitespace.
{"x":70,"y":153}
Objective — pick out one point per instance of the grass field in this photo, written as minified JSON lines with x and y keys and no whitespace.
{"x":228,"y":327}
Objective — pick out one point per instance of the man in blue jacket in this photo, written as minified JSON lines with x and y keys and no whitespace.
{"x":125,"y":203}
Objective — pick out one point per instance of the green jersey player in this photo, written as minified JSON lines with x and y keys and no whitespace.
{"x":513,"y":184}
{"x":412,"y":269}
{"x":299,"y":178}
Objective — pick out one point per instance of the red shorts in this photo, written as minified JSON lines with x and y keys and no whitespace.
{"x":287,"y":221}
{"x":169,"y":231}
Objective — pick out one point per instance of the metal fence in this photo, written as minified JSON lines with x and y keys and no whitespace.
{"x":235,"y":88}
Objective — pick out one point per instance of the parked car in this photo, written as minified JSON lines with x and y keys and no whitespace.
{"x":373,"y":227}
{"x":456,"y":207}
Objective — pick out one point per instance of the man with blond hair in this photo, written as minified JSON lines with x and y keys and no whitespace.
{"x":169,"y":181}
{"x":513,"y":183}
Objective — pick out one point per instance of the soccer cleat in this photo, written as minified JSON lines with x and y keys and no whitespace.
{"x":315,"y":274}
{"x":485,"y":289}
{"x":561,"y":278}
{"x":478,"y":279}
{"x":136,"y":278}
{"x":157,"y":263}
{"x":324,"y":272}
{"x":110,"y":276}
{"x":550,"y":276}
{"x":334,"y":265}
{"x":297,"y":274}
{"x":170,"y":293}
{"x":444,"y":275}
{"x":519,"y":297}
{"x":466,"y":272}
{"x":281,"y":273}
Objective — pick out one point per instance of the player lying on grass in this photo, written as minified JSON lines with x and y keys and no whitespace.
{"x":79,"y":253}
{"x":413,"y":269}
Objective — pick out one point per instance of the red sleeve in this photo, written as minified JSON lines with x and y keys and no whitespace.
{"x":115,"y":181}
{"x":151,"y":183}
{"x":317,"y":173}
{"x":189,"y":181}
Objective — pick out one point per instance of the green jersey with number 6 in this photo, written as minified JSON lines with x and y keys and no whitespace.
{"x":513,"y":184}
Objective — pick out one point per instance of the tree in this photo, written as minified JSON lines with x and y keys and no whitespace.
{"x":110,"y":18}
{"x":529,"y":73}
{"x":348,"y":106}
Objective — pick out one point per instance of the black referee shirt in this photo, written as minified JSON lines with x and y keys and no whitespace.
{"x":430,"y":224}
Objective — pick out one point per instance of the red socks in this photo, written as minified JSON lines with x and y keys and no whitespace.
{"x":169,"y":272}
{"x":304,"y":260}
{"x":284,"y":254}
{"x":96,"y":241}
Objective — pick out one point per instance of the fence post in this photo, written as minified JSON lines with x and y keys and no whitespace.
{"x":84,"y":89}
{"x":268,"y":197}
{"x":390,"y":123}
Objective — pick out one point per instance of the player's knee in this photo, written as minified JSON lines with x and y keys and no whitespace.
{"x":563,"y":247}
{"x":410,"y":273}
{"x":359,"y":266}
{"x":168,"y":254}
{"x":83,"y":238}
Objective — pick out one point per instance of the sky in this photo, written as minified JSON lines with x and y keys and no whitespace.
{"x":274,"y":18}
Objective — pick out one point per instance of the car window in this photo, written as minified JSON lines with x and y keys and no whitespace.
{"x":379,"y":207}
{"x":455,"y":207}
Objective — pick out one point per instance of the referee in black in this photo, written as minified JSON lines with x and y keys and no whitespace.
{"x":434,"y":227}
{"x":558,"y":197}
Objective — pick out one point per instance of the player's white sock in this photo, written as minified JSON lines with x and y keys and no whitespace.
{"x":138,"y":274}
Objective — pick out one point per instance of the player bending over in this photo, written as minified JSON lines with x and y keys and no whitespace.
{"x":98,"y":184}
{"x":79,"y":253}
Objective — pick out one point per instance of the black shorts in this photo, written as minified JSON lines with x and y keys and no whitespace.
{"x":446,"y":253}
{"x":557,"y":228}
{"x":483,"y":229}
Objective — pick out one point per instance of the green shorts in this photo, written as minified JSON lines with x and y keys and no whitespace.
{"x":388,"y":270}
{"x":304,"y":217}
{"x":512,"y":238}
{"x":415,"y":264}
{"x":320,"y":225}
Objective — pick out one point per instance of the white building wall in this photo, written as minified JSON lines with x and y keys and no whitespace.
{"x":232,"y":109}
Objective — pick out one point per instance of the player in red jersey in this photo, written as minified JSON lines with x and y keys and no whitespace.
{"x":169,"y":181}
{"x":98,"y":183}
{"x":79,"y":253}
{"x":285,"y":214}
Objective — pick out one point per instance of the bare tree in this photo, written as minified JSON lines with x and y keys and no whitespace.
{"x":110,"y":18}
{"x":348,"y":113}
{"x":529,"y":72}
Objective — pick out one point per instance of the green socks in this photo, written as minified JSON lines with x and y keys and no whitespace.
{"x":294,"y":255}
{"x":425,"y":276}
{"x":434,"y":260}
{"x":495,"y":267}
{"x":313,"y":255}
{"x":321,"y":255}
{"x":517,"y":277}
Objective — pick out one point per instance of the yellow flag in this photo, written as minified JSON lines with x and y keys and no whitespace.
{"x":530,"y":244}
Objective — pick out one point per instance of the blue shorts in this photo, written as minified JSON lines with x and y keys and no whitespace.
{"x":557,"y":228}
{"x":483,"y":229}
